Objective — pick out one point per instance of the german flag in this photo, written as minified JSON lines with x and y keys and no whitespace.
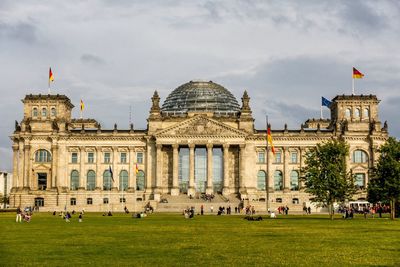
{"x":51,"y":77}
{"x":357,"y":74}
{"x":269,"y":136}
{"x":82,"y":105}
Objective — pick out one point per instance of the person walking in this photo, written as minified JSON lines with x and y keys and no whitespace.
{"x":19,"y":217}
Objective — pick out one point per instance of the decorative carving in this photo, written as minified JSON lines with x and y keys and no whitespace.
{"x":17,"y":127}
{"x":54,"y":126}
{"x":156,"y":102}
{"x":385,"y":126}
{"x":245,"y":102}
{"x":202,"y":127}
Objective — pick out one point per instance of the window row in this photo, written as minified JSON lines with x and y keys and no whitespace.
{"x":357,"y":113}
{"x":278,"y":181}
{"x":108,"y":180}
{"x":89,"y":201}
{"x":278,"y":157}
{"x":43,"y":113}
{"x":123,"y":157}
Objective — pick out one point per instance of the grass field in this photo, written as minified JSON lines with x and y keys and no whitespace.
{"x":171,"y":240}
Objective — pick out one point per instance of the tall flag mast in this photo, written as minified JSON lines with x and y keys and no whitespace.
{"x":82,"y":108}
{"x":356,"y":75}
{"x":51,"y":78}
{"x":325,"y":102}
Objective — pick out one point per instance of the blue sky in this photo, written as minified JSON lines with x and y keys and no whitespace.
{"x":114,"y":54}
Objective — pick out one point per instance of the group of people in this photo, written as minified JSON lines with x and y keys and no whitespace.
{"x":23,"y":215}
{"x":188,"y":213}
{"x":306,"y":210}
{"x":283,"y":210}
{"x":68,"y":215}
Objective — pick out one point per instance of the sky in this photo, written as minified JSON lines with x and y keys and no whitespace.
{"x":114,"y":54}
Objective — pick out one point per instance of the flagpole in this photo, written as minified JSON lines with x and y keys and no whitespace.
{"x":353,"y":85}
{"x":267,"y":172}
{"x":321,"y":113}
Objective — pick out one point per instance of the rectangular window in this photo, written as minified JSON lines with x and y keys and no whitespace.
{"x":90,"y":157}
{"x":261,"y":157}
{"x":139,"y":157}
{"x":278,"y":157}
{"x":89,"y":201}
{"x":105,"y":200}
{"x":107,"y":157}
{"x":74,"y":157}
{"x":123,"y":157}
{"x":73,"y":201}
{"x":122,"y":200}
{"x":293,"y":157}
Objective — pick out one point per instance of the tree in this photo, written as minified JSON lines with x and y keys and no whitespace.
{"x":325,"y":174}
{"x":384,"y":185}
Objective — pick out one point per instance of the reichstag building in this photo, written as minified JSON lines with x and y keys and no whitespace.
{"x":200,"y":141}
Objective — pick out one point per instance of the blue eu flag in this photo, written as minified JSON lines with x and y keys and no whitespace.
{"x":325,"y":102}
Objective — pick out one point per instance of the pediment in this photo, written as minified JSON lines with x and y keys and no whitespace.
{"x":201,"y":126}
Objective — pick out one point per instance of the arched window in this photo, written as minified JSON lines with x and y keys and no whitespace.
{"x":42,"y":155}
{"x":44,"y":112}
{"x":357,"y":113}
{"x":123,"y":180}
{"x":360,"y":156}
{"x":348,"y":113}
{"x":53,"y":112}
{"x":360,"y":180}
{"x":34,"y":112}
{"x":261,"y":180}
{"x":366,"y":113}
{"x":294,"y":181}
{"x":74,"y":180}
{"x":278,"y":181}
{"x":140,"y":184}
{"x":107,"y":180}
{"x":91,"y":180}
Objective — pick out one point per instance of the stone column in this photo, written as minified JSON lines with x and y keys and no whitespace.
{"x":191,"y":190}
{"x":209,"y":189}
{"x":21,"y":164}
{"x":99,"y":176}
{"x":270,"y":173}
{"x":27,"y":166}
{"x":175,"y":167}
{"x":159,"y":166}
{"x":132,"y":170}
{"x":301,"y":161}
{"x":242,"y":170}
{"x":286,"y":173}
{"x":82,"y":185}
{"x":226,"y":190}
{"x":54,"y":158}
{"x":115,"y":184}
{"x":15,"y":181}
{"x":149,"y":166}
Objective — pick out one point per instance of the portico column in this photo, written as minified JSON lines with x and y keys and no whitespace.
{"x":209,"y":189}
{"x":242,"y":167}
{"x":54,"y":158}
{"x":191,"y":190}
{"x":21,"y":164}
{"x":81,"y":170}
{"x":175,"y":166}
{"x":226,"y":190}
{"x":159,"y":166}
{"x":99,"y":176}
{"x":301,"y":160}
{"x":286,"y":179}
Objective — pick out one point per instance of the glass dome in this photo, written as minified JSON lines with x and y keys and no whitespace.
{"x":200,"y":96}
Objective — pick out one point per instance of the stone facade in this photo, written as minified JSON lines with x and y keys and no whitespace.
{"x":63,"y":162}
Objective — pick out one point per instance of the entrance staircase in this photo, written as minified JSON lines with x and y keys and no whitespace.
{"x":181,"y":202}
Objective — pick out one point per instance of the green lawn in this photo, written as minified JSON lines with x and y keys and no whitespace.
{"x":171,"y":240}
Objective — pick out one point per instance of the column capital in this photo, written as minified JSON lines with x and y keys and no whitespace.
{"x":159,"y":146}
{"x":27,"y":146}
{"x":175,"y":146}
{"x":114,"y":148}
{"x":191,"y":146}
{"x":225,"y":146}
{"x":242,"y":146}
{"x":54,"y":146}
{"x":82,"y":148}
{"x":209,"y":146}
{"x":15,"y":147}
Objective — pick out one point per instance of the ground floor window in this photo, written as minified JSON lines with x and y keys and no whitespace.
{"x":105,"y":200}
{"x":140,"y":181}
{"x":279,"y":200}
{"x":73,"y":201}
{"x":89,"y":201}
{"x":295,"y":201}
{"x":39,"y":202}
{"x":360,"y":180}
{"x":122,"y":200}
